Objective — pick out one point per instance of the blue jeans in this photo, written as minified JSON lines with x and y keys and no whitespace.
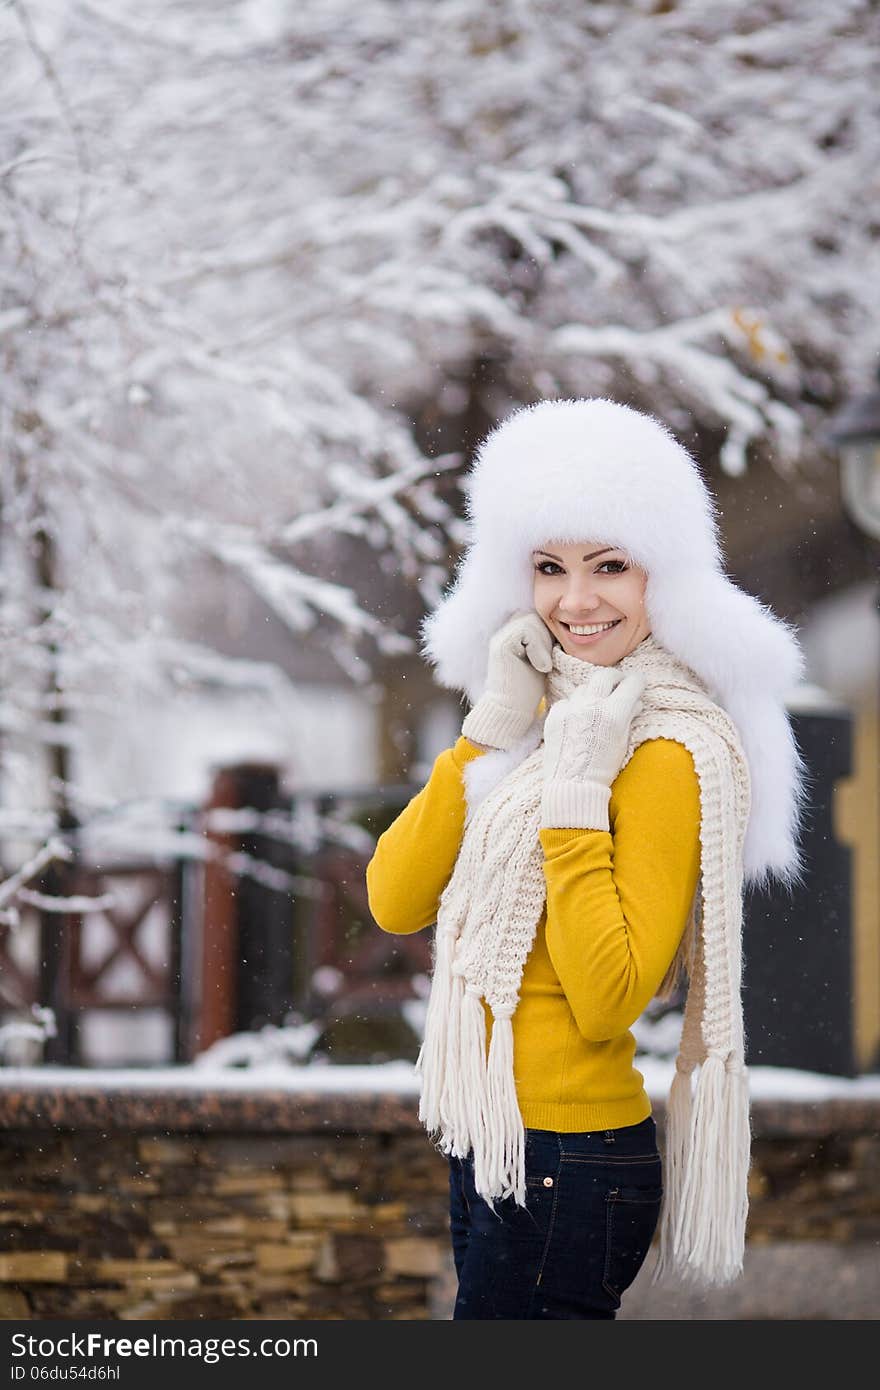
{"x":592,"y":1206}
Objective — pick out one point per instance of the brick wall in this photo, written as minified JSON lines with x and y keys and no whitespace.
{"x":272,"y":1205}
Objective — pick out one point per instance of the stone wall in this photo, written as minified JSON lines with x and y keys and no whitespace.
{"x":219,"y":1204}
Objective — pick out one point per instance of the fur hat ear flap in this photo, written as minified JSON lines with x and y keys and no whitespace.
{"x":780,"y":781}
{"x":729,"y":638}
{"x":455,"y":637}
{"x":749,"y":660}
{"x":458,"y":664}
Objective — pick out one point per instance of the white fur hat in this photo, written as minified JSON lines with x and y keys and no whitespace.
{"x":594,"y":470}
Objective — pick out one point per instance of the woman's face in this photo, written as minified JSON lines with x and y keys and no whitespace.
{"x":591,"y":585}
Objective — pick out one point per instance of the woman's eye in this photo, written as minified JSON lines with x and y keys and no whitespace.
{"x":617,"y":566}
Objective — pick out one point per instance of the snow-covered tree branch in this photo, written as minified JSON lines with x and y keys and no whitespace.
{"x":249,"y":251}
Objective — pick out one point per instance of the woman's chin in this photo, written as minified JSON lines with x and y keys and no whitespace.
{"x":592,"y":658}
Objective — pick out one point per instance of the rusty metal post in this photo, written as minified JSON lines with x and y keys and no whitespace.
{"x":214,"y":1008}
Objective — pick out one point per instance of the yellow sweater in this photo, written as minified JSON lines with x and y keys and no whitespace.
{"x":616,"y":908}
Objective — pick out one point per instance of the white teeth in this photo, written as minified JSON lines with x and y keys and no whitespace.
{"x":588,"y":631}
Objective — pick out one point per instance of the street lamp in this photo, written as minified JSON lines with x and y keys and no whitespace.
{"x":855,"y":432}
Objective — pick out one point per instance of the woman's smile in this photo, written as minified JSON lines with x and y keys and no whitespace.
{"x":590,"y":632}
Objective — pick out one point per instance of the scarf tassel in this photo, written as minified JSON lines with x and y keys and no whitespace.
{"x":430,"y":1064}
{"x":708,"y":1148}
{"x":678,"y":1124}
{"x":506,"y":1135}
{"x":472,"y":1080}
{"x":453,"y":1107}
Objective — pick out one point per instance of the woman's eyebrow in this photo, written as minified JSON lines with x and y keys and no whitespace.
{"x":586,"y":557}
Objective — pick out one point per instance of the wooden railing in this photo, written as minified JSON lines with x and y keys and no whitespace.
{"x":266,"y":922}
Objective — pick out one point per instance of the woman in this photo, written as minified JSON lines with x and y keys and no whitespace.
{"x":626,"y":766}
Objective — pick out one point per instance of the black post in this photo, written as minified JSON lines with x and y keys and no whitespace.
{"x":265,"y":912}
{"x":54,"y":983}
{"x":798,"y":947}
{"x":182,"y":925}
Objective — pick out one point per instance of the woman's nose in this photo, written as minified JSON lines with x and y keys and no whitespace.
{"x":580,"y":597}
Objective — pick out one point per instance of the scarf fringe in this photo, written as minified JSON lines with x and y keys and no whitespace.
{"x":431,"y":1061}
{"x":708,"y":1149}
{"x":505,"y":1137}
{"x":473,"y":1081}
{"x":678,"y":1125}
{"x":453,"y":1110}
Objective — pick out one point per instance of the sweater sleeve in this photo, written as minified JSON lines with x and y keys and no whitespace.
{"x":415,"y":856}
{"x":618,"y":901}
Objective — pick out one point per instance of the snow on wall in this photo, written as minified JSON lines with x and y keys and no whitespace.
{"x":766,"y":1083}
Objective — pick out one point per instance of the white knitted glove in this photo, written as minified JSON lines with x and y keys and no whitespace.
{"x":585,"y":741}
{"x":519,"y":659}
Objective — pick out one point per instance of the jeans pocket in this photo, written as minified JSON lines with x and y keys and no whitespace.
{"x":541,"y":1159}
{"x":632,"y":1211}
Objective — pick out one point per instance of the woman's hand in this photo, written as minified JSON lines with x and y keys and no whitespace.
{"x":585,"y":743}
{"x":519,"y":659}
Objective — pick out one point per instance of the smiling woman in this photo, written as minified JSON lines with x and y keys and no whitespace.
{"x":581,"y":848}
{"x":592,"y":599}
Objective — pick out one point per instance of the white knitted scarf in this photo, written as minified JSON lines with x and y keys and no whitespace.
{"x":486,"y":925}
